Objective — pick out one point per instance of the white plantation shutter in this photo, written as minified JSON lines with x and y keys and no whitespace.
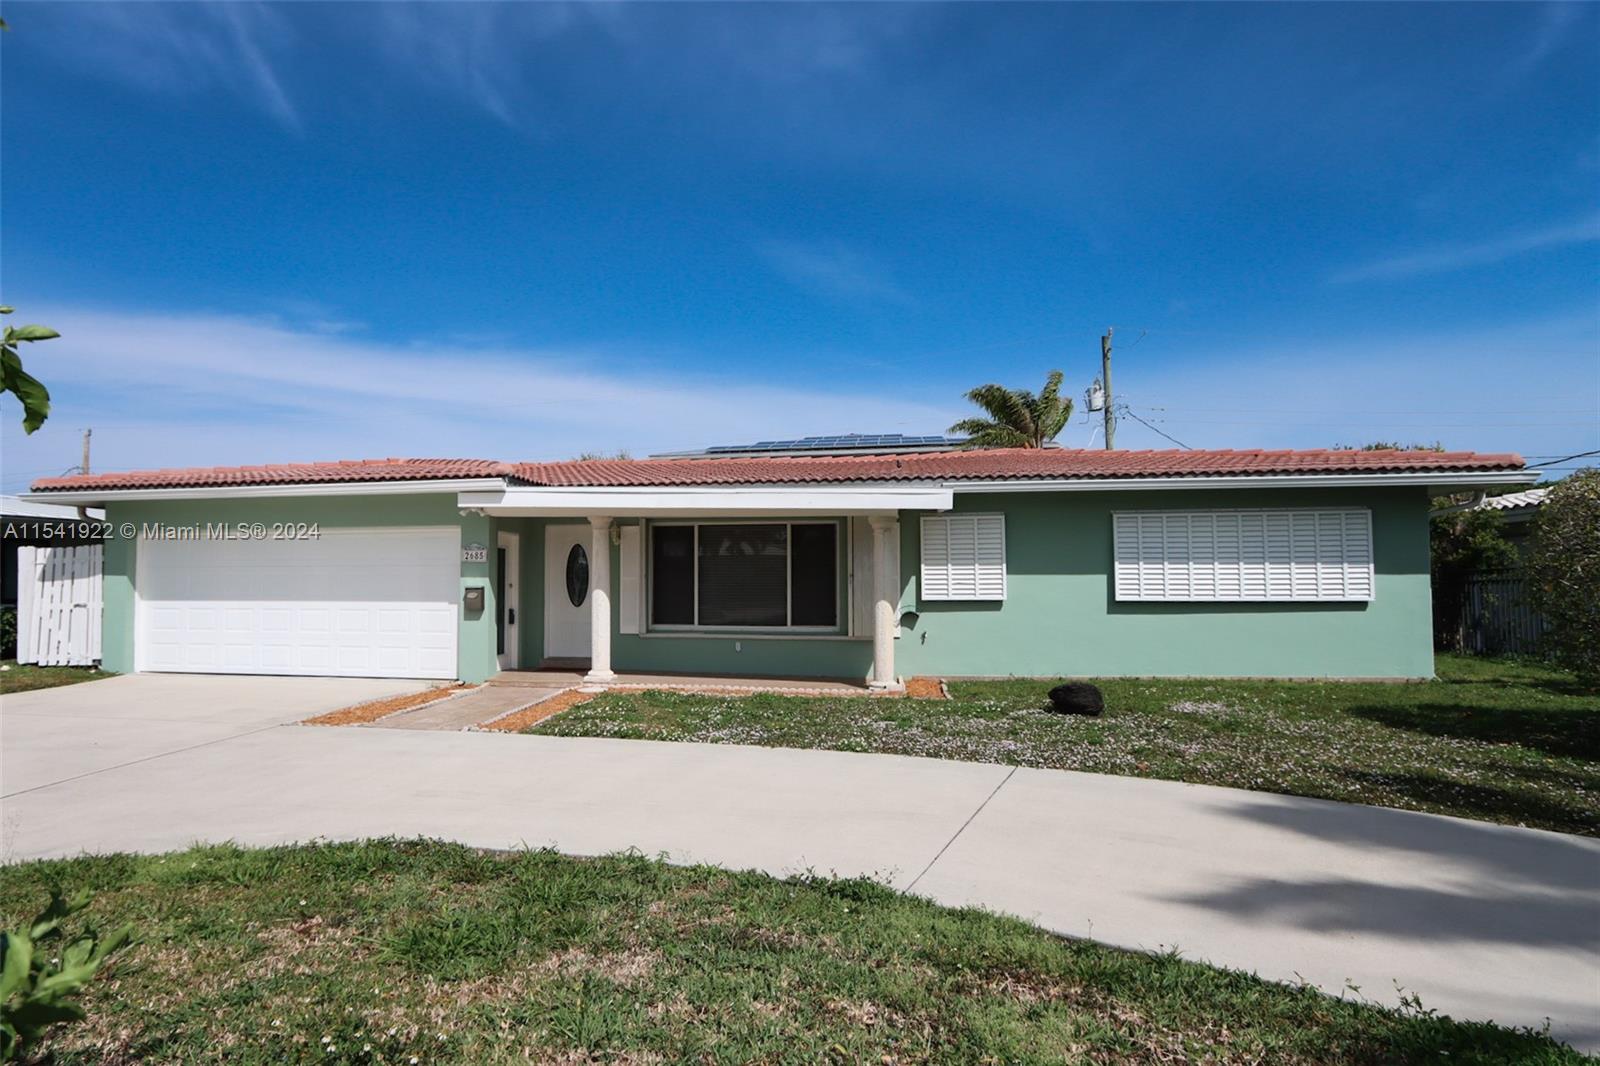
{"x":1208,"y":556}
{"x":964,"y":557}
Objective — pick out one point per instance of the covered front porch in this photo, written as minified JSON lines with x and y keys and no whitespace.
{"x":780,"y":589}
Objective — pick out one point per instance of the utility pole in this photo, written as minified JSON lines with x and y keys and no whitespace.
{"x":86,"y":435}
{"x":1105,"y":377}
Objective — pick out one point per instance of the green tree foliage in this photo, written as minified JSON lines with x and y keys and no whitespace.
{"x":1389,"y":446}
{"x":34,"y":396}
{"x":42,"y":971}
{"x":1017,"y":417}
{"x":1564,"y":571}
{"x":1462,"y":544}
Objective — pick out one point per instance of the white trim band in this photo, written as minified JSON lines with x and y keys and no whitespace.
{"x":768,"y":501}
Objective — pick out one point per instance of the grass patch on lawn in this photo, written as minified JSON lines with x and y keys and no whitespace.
{"x":1503,"y":741}
{"x":20,"y":677}
{"x":386,"y":952}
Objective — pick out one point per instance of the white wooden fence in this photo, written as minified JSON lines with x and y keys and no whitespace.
{"x":59,"y":604}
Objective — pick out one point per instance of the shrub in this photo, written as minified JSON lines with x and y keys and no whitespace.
{"x":1565,"y":570}
{"x":42,"y":972}
{"x":8,"y":632}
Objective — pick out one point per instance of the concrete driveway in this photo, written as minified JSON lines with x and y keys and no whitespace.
{"x":1481,"y":921}
{"x":56,"y":734}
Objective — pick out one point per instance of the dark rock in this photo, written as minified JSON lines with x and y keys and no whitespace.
{"x":1077,"y":697}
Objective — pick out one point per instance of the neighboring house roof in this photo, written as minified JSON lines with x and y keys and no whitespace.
{"x":16,"y":507}
{"x":1512,"y":501}
{"x":1508,"y":507}
{"x":978,"y":464}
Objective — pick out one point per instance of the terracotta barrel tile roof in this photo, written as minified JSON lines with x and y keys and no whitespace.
{"x":283,"y":474}
{"x":999,"y":463}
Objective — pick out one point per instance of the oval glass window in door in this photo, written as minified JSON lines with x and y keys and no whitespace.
{"x":577,"y":575}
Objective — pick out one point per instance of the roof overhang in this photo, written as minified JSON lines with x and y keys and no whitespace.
{"x":1433,"y":480}
{"x":776,"y":501}
{"x":242,"y":492}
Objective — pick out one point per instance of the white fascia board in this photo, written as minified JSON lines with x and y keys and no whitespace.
{"x":1442,"y":481}
{"x":242,"y":492}
{"x":777,"y":501}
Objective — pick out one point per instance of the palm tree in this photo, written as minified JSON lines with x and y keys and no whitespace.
{"x":1017,"y":418}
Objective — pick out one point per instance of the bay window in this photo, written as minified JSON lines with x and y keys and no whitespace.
{"x":744,"y":575}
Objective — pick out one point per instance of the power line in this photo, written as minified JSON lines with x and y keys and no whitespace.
{"x":1324,"y":410}
{"x":1373,"y":422}
{"x":1567,"y":458}
{"x":1128,"y":411}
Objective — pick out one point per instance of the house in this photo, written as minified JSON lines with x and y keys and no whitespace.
{"x":830,"y":558}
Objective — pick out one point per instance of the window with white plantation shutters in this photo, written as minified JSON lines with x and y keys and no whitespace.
{"x":1309,"y":555}
{"x":964,"y":557}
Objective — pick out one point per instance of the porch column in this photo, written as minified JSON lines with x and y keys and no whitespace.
{"x":886,"y":598}
{"x":600,"y":601}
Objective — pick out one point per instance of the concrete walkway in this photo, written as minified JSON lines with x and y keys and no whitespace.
{"x":469,"y":708}
{"x":1481,"y":921}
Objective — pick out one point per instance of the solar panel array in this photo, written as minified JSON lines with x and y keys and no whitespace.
{"x":841,"y":442}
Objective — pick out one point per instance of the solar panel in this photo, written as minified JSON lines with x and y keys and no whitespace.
{"x":839,"y":442}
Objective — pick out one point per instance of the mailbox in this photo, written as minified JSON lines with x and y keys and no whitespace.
{"x":472,"y":600}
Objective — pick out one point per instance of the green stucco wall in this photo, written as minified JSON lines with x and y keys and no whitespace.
{"x":475,"y":656}
{"x":1060,"y":617}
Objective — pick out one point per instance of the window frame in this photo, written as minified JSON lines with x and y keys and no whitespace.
{"x":1364,"y":513}
{"x":840,"y":608}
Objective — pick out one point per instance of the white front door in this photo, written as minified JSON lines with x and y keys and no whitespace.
{"x":566,"y":591}
{"x":507,"y":599}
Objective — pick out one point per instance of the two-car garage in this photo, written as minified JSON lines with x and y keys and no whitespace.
{"x":370,"y":602}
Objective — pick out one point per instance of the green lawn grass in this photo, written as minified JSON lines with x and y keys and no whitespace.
{"x":1503,"y":741}
{"x":20,"y":677}
{"x":416,"y":952}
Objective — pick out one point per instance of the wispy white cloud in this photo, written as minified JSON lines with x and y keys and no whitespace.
{"x":833,"y":269}
{"x":1555,"y":26}
{"x":188,"y":50}
{"x":491,"y":55}
{"x":479,"y":52}
{"x":198,"y":389}
{"x":1447,"y":258}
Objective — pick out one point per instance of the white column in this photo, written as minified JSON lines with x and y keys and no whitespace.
{"x":886,"y":598}
{"x":600,"y":601}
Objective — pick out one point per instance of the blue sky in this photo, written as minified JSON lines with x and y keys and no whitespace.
{"x":277,"y":232}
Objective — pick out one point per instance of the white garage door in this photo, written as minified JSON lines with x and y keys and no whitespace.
{"x":351,"y":603}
